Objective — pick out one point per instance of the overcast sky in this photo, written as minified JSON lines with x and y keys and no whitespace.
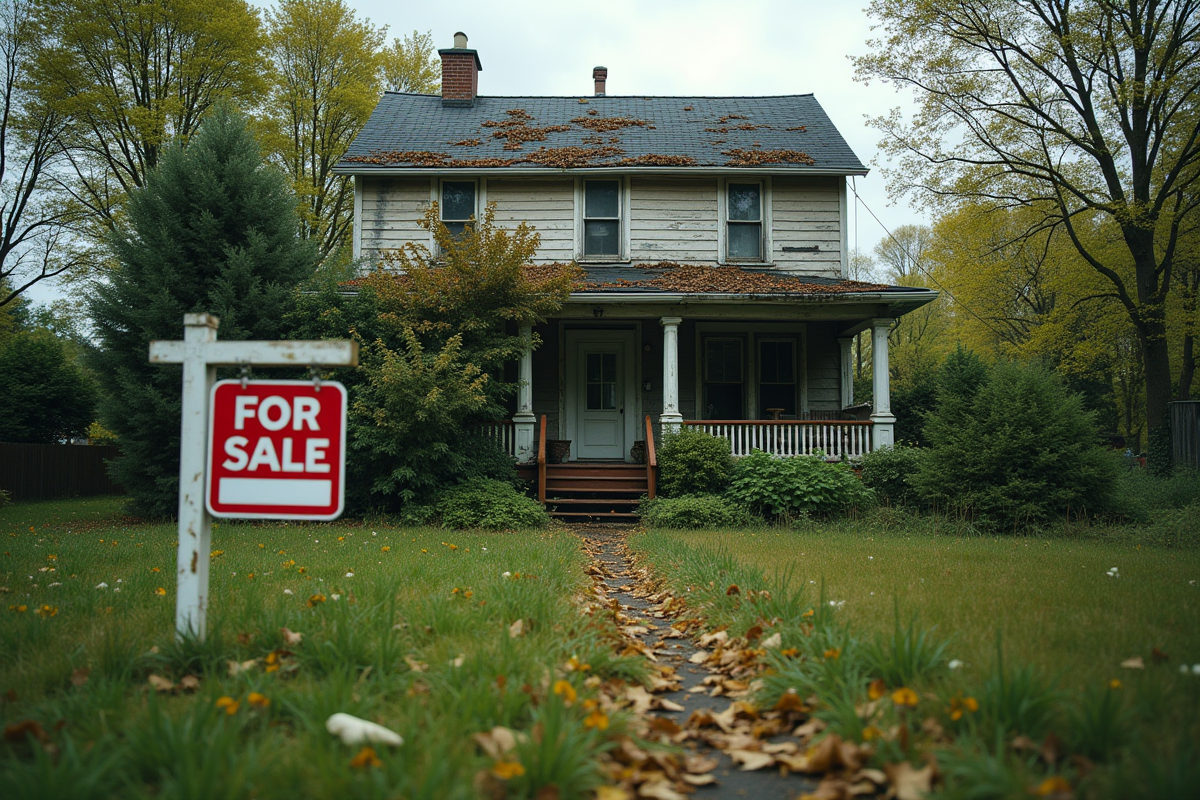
{"x":669,"y":47}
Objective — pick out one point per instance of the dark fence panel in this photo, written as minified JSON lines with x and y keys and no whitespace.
{"x":1185,"y":433}
{"x":50,"y":471}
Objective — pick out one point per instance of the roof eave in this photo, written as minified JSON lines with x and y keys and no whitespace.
{"x":402,"y":172}
{"x":920,"y":298}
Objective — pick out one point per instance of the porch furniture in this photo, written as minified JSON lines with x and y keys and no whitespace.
{"x":558,"y":450}
{"x":776,"y":413}
{"x":791,"y":437}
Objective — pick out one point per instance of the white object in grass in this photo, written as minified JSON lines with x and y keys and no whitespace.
{"x":349,"y":574}
{"x":101,"y":585}
{"x":955,"y":664}
{"x":353,"y":730}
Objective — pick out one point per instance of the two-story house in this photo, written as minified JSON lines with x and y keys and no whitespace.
{"x":712,"y":231}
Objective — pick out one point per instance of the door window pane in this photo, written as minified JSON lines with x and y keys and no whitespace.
{"x":601,"y":371}
{"x":744,"y":202}
{"x":458,"y":202}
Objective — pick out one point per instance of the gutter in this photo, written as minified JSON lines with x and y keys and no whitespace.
{"x":921,"y":298}
{"x":600,"y":170}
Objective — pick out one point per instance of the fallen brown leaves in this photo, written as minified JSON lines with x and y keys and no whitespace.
{"x":739,"y":157}
{"x":673,"y":277}
{"x":606,"y":124}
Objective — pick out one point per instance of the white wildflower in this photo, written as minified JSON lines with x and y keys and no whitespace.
{"x":955,"y":663}
{"x":101,"y":585}
{"x":349,"y":574}
{"x":506,"y":574}
{"x":335,"y":597}
{"x":288,"y":592}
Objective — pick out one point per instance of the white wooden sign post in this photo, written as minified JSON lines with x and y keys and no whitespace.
{"x":201,"y":354}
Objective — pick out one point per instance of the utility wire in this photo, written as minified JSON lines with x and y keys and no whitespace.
{"x":916,"y":262}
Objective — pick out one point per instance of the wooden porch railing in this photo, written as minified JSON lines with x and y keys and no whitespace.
{"x":651,"y":460}
{"x":541,"y":461}
{"x":791,"y":437}
{"x":503,"y":432}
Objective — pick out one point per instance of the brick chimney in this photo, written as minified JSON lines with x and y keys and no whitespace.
{"x":600,"y":75}
{"x":460,"y":73}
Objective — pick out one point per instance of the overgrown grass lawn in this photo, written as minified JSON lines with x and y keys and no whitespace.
{"x":412,"y":628}
{"x":1051,"y":601}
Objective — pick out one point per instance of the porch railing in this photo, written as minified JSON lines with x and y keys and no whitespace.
{"x":791,"y":437}
{"x":503,"y":432}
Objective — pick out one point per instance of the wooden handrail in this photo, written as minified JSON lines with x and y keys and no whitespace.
{"x":541,"y":461}
{"x":777,"y":422}
{"x":651,"y":460}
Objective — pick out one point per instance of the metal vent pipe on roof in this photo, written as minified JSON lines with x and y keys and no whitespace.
{"x":460,"y":40}
{"x":600,"y":75}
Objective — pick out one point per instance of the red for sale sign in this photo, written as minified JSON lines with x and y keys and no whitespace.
{"x":277,"y":450}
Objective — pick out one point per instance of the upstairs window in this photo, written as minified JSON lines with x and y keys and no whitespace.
{"x":744,"y":234}
{"x":601,"y":219}
{"x":458,"y":205}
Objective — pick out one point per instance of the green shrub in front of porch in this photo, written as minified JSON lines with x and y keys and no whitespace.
{"x":693,"y":511}
{"x":783,"y":488}
{"x":490,"y":505}
{"x":692,"y":462}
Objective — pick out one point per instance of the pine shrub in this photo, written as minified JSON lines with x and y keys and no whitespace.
{"x":1015,"y":450}
{"x":692,"y":462}
{"x":889,"y":472}
{"x":796,"y":486}
{"x":213,"y":231}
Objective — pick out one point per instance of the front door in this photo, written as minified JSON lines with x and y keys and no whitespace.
{"x":601,"y":397}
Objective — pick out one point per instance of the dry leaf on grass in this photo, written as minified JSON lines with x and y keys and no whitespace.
{"x":659,"y":789}
{"x":497,"y":742}
{"x":909,"y":783}
{"x":517,"y":629}
{"x":161,"y":684}
{"x":79,"y":676}
{"x":772,"y":641}
{"x":415,"y":665}
{"x":291,"y":637}
{"x":1134,"y":663}
{"x":189,"y":683}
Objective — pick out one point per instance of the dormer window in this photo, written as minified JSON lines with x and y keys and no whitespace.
{"x":602,"y":219}
{"x":744,"y":230}
{"x":458,"y":205}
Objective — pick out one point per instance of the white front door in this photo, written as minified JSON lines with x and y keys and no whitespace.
{"x":600,"y":397}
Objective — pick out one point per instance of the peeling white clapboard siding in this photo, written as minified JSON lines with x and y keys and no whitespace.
{"x":807,"y":212}
{"x":547,"y":205}
{"x":824,"y":369}
{"x":391,"y":211}
{"x":673,"y":220}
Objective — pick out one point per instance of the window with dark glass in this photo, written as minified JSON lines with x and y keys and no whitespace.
{"x":458,"y":205}
{"x":723,"y":381}
{"x":601,"y":381}
{"x":776,"y":377}
{"x":744,"y":222}
{"x":601,"y":218}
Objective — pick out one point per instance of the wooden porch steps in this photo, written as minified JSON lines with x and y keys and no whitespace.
{"x":579,"y":491}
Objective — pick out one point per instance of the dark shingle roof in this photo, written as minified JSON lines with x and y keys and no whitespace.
{"x":777,"y":134}
{"x":669,"y":277}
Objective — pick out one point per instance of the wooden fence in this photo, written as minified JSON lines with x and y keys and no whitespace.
{"x":51,"y":471}
{"x":1185,"y":433}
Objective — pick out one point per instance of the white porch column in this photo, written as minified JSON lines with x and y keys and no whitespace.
{"x":883,"y":429}
{"x":524,"y":420}
{"x":670,"y":419}
{"x":847,"y":371}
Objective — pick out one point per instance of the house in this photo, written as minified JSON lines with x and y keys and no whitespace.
{"x":712,"y":231}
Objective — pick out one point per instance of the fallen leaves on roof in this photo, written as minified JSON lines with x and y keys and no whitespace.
{"x":572,"y":157}
{"x":739,"y":157}
{"x":672,"y":277}
{"x":728,"y":117}
{"x":606,"y":124}
{"x":654,"y":160}
{"x":467,"y":143}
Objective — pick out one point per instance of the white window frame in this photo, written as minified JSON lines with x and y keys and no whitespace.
{"x":622,"y":221}
{"x":765,"y":220}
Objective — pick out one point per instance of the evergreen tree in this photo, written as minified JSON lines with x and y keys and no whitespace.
{"x":214,"y":230}
{"x":45,"y":395}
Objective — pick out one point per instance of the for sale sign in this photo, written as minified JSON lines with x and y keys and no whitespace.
{"x":276,"y":450}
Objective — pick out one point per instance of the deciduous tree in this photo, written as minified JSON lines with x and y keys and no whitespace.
{"x":411,"y":64}
{"x":129,"y":76}
{"x":1090,"y":110}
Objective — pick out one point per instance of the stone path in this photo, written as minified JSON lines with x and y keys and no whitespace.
{"x":606,"y":543}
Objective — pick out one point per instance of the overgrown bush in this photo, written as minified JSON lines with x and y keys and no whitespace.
{"x":692,"y":511}
{"x":789,"y":487}
{"x":1141,"y":492}
{"x":1015,"y":450}
{"x":889,"y":471}
{"x":489,"y":504}
{"x":692,"y":462}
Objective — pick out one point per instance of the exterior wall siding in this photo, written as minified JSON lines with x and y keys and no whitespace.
{"x":548,"y":205}
{"x":824,"y":368}
{"x":391,"y":209}
{"x":673,"y":220}
{"x":807,"y":212}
